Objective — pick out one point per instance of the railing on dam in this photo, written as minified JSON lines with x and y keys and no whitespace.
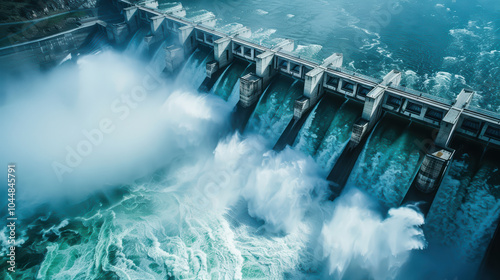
{"x":475,"y":122}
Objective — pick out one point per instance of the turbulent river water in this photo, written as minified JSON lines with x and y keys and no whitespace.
{"x":127,"y":174}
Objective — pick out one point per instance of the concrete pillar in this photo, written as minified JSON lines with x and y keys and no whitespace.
{"x":373,"y":104}
{"x":424,"y":186}
{"x":359,"y":130}
{"x":252,"y":85}
{"x":211,"y":68}
{"x":372,"y":109}
{"x":250,"y":89}
{"x":120,"y":33}
{"x":432,"y":170}
{"x":174,"y":57}
{"x":435,"y":163}
{"x":393,"y":78}
{"x":449,"y":122}
{"x":264,"y":67}
{"x":187,"y":38}
{"x":131,"y":17}
{"x":300,"y":107}
{"x":313,"y":84}
{"x":223,"y":52}
{"x":156,"y":22}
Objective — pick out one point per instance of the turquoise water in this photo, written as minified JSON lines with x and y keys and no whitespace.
{"x":207,"y":205}
{"x":193,"y":68}
{"x":213,"y":205}
{"x":275,"y":108}
{"x":390,"y":159}
{"x":229,"y":81}
{"x":327,"y":130}
{"x":466,"y":206}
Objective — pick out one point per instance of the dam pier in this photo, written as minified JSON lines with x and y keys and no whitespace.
{"x":179,"y":37}
{"x":169,"y":32}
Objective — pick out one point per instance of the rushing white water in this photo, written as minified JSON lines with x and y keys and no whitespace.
{"x":388,"y":162}
{"x":137,"y":46}
{"x":359,"y":235}
{"x":275,"y":109}
{"x":193,"y":70}
{"x":467,"y":206}
{"x":158,"y":61}
{"x":327,"y":131}
{"x":220,"y":206}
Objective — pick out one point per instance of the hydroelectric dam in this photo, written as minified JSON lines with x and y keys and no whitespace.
{"x":348,"y":122}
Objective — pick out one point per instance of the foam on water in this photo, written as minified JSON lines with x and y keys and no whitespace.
{"x":261,"y":12}
{"x":361,"y":237}
{"x":180,"y":227}
{"x":263,"y":36}
{"x":229,"y":79}
{"x":337,"y":136}
{"x":180,"y":222}
{"x":137,"y":45}
{"x":157,"y":63}
{"x":388,"y":163}
{"x":311,"y":51}
{"x":275,"y":109}
{"x":466,"y":208}
{"x":193,"y":69}
{"x":326,"y":131}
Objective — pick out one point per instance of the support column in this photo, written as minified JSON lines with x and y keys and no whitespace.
{"x":223,"y":53}
{"x":156,"y":22}
{"x":313,"y":85}
{"x":174,"y":57}
{"x":252,"y":85}
{"x":449,"y":122}
{"x":264,"y":73}
{"x":250,"y":90}
{"x":158,"y":28}
{"x":432,"y":169}
{"x":223,"y":56}
{"x":372,"y":109}
{"x":117,"y":32}
{"x":264,"y":67}
{"x":187,"y":39}
{"x":131,"y":17}
{"x":313,"y":91}
{"x":425,"y":185}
